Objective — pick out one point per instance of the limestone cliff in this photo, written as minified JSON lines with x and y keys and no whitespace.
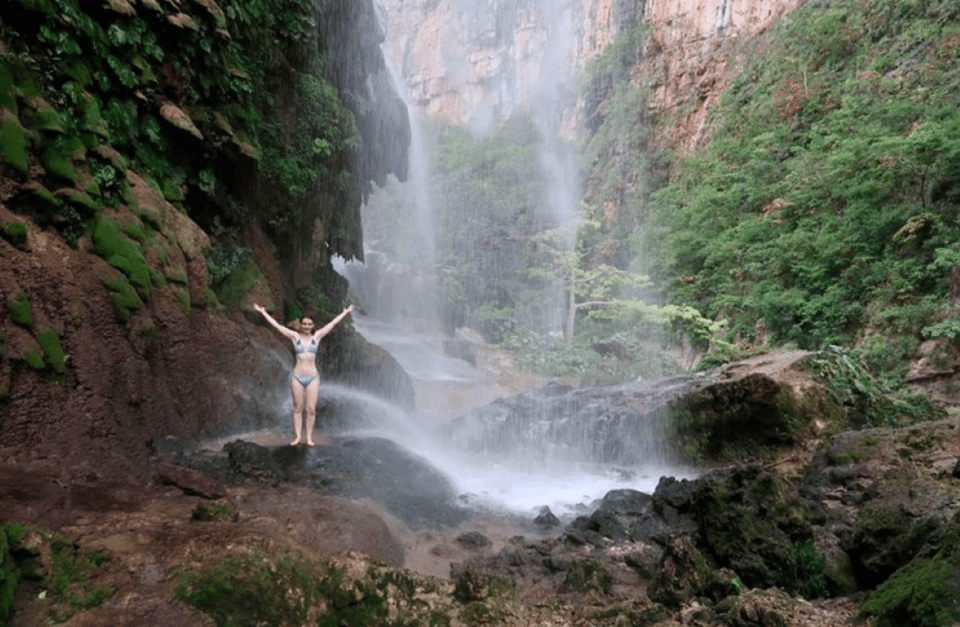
{"x":161,"y":168}
{"x":470,"y":62}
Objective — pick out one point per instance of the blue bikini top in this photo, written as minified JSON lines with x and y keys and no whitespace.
{"x":300,"y":347}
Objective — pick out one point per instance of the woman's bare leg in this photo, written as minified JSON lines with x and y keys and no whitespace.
{"x":310,"y":406}
{"x":297,"y":392}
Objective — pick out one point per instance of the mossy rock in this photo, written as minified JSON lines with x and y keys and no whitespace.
{"x":42,"y":198}
{"x":182,"y":295}
{"x":79,"y":72}
{"x":13,"y":141}
{"x":111,"y":154}
{"x":122,"y":253}
{"x":20,"y":310}
{"x":49,"y":341}
{"x":240,"y":283}
{"x":45,"y":117}
{"x":91,"y":118}
{"x":122,"y":295}
{"x":33,"y":359}
{"x":81,"y":200}
{"x":926,"y":591}
{"x":216,"y":511}
{"x":58,"y":163}
{"x":16,"y":234}
{"x":8,"y":99}
{"x":171,"y":191}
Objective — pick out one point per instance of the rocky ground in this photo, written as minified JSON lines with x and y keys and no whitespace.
{"x":801,"y":538}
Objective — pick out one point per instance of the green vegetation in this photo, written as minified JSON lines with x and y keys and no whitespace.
{"x":221,"y":510}
{"x":874,"y":401}
{"x":925,"y":592}
{"x":186,"y":98}
{"x":49,"y":340}
{"x":825,"y":207}
{"x":68,"y":578}
{"x":20,"y":310}
{"x":15,"y":233}
{"x":289,"y":589}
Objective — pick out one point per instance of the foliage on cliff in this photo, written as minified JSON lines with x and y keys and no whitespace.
{"x":230,"y":112}
{"x":826,"y":207}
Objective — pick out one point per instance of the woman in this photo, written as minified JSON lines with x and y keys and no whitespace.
{"x":305,"y":381}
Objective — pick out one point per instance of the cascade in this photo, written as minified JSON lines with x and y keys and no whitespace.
{"x":540,"y":462}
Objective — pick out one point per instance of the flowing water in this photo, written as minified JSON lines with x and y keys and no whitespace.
{"x":496,"y":481}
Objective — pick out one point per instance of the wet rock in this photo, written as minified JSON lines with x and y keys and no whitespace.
{"x":191,"y":481}
{"x":924,"y":591}
{"x":473,"y":540}
{"x":212,"y":511}
{"x":682,"y":573}
{"x":546,"y":519}
{"x":757,"y":608}
{"x":626,"y":502}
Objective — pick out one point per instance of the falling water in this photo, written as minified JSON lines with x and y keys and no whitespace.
{"x":557,"y":474}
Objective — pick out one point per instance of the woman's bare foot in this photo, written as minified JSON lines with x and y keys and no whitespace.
{"x":295,"y":442}
{"x":309,"y":443}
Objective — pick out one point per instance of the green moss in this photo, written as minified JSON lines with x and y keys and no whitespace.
{"x":32,"y":359}
{"x":122,"y":253}
{"x":49,"y":340}
{"x":74,"y":577}
{"x":48,"y":119}
{"x":923,"y":593}
{"x":171,"y":191}
{"x":238,"y":284}
{"x":58,"y":163}
{"x":20,"y":310}
{"x":82,"y":201}
{"x":183,"y":297}
{"x":587,"y":576}
{"x":44,"y":199}
{"x":285,"y":591}
{"x":15,"y":233}
{"x":212,"y":511}
{"x":8,"y":99}
{"x":123,"y":296}
{"x":13,"y":141}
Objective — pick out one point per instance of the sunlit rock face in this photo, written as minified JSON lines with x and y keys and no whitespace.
{"x":696,"y":48}
{"x":474,"y":61}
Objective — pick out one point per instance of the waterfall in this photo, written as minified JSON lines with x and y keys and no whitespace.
{"x":397,"y":282}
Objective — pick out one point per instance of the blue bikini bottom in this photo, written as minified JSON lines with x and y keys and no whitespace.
{"x":304,"y":379}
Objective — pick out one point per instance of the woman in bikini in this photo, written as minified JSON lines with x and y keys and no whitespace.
{"x":305,"y":381}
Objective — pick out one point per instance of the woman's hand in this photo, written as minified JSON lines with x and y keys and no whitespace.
{"x":348,"y":308}
{"x":259,"y":308}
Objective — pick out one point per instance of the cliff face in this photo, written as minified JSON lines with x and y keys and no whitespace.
{"x":472,"y":62}
{"x":145,"y":203}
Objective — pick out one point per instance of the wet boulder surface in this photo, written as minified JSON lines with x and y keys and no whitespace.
{"x":376,"y":468}
{"x":848,"y":522}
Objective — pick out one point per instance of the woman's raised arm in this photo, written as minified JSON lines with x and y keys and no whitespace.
{"x":323,"y":331}
{"x":288,"y":333}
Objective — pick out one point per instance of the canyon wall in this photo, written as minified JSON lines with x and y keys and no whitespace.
{"x":473,"y":62}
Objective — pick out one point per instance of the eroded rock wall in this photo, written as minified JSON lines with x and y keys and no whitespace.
{"x":473,"y":62}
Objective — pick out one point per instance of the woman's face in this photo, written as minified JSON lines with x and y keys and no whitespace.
{"x":306,"y":324}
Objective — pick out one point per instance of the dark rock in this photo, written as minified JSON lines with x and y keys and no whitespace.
{"x":191,"y":481}
{"x":546,"y":519}
{"x":608,"y":526}
{"x":626,"y":502}
{"x":473,"y":540}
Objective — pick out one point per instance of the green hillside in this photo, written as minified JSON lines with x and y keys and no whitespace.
{"x":825,"y":208}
